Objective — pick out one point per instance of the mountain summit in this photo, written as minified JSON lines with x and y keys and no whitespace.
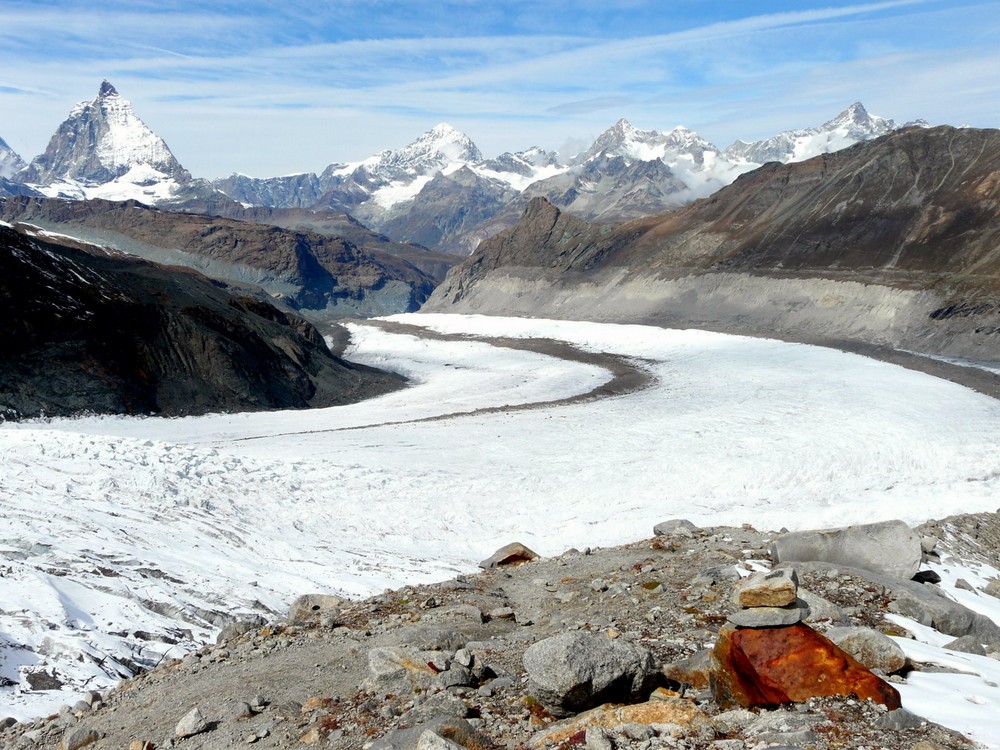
{"x":103,"y":141}
{"x":10,"y":162}
{"x":851,"y":126}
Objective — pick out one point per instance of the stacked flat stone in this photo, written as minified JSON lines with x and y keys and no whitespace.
{"x":768,"y":600}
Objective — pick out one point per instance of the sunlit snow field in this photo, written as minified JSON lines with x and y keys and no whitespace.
{"x":244,"y":512}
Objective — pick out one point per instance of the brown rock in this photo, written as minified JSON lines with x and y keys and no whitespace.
{"x":692,"y":671}
{"x":776,"y":588}
{"x":769,"y":666}
{"x":514,"y":553}
{"x":609,"y":716}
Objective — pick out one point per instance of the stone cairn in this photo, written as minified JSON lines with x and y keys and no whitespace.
{"x":767,"y":655}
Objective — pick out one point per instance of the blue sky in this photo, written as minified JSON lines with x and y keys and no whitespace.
{"x":273,"y":88}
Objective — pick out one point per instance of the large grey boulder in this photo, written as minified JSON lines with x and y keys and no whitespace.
{"x":875,"y":650}
{"x":891,"y":548}
{"x":572,"y":672}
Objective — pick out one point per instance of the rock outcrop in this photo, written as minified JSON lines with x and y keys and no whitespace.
{"x":89,"y":330}
{"x":319,"y":275}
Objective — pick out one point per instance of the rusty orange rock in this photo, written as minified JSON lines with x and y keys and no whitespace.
{"x":769,"y":666}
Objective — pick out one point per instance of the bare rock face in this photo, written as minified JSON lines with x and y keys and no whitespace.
{"x":891,"y":548}
{"x":93,"y":331}
{"x":771,"y":666}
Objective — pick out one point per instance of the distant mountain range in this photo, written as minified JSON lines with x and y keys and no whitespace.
{"x":893,"y":241}
{"x":438,"y":191}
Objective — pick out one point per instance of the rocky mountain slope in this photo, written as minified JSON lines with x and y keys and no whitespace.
{"x":91,"y":330}
{"x":892,"y":241}
{"x":475,"y":662}
{"x":320,"y":275}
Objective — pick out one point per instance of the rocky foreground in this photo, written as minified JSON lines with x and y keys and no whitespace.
{"x":602,"y":649}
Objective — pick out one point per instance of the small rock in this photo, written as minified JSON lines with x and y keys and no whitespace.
{"x":770,"y":617}
{"x":311,"y":608}
{"x":514,"y":553}
{"x":597,"y":739}
{"x":92,"y":697}
{"x":927,"y":544}
{"x":456,"y":676}
{"x":993,"y":588}
{"x":692,"y":671}
{"x":141,"y":745}
{"x":776,"y":588}
{"x":77,"y":737}
{"x":599,"y":585}
{"x":193,"y":723}
{"x":961,"y":583}
{"x":501,"y":613}
{"x":926,"y":576}
{"x":430,"y":740}
{"x":234,"y":630}
{"x":900,"y":719}
{"x":873,"y":649}
{"x":968,"y":644}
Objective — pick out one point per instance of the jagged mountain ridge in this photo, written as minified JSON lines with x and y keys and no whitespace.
{"x":625,"y":173}
{"x":320,"y":276}
{"x":893,"y":241}
{"x":414,"y":193}
{"x":96,"y":331}
{"x":851,"y":126}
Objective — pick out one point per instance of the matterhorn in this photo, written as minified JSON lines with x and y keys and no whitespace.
{"x":103,"y":150}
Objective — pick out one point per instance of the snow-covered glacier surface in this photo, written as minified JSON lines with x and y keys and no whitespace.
{"x":123,"y":534}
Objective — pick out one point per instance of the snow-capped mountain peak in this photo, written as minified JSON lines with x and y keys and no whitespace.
{"x":439,"y":148}
{"x":10,"y":162}
{"x":103,"y":141}
{"x":856,"y":119}
{"x":624,"y":139}
{"x":851,"y":126}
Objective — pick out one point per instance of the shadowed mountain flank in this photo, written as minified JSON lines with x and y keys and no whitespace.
{"x":90,"y":330}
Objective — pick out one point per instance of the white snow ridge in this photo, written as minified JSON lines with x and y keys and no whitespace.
{"x":124,"y":534}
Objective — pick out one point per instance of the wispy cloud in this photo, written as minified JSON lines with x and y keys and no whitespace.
{"x":264,"y":87}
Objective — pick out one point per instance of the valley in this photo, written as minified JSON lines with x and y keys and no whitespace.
{"x":560,"y":349}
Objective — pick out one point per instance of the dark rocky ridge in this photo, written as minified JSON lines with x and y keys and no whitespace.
{"x":319,"y":275}
{"x":92,"y":331}
{"x":895,"y":241}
